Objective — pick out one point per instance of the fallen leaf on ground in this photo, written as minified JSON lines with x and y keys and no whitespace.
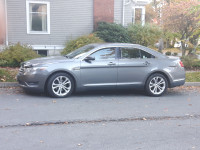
{"x":193,"y":147}
{"x":41,"y":141}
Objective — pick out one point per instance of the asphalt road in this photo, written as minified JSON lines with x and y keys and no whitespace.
{"x":100,"y":120}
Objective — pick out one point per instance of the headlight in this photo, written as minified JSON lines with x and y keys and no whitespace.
{"x":28,"y":66}
{"x":39,"y":68}
{"x":34,"y":69}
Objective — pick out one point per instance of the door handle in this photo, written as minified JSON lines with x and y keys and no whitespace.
{"x":111,"y":64}
{"x":146,"y":63}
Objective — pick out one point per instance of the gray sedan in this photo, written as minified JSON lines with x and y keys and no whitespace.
{"x":103,"y":66}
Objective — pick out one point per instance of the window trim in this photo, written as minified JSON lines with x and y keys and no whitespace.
{"x":28,"y":17}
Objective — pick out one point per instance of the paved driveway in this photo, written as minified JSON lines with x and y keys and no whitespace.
{"x":100,"y":120}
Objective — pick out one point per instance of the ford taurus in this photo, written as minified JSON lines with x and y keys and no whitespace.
{"x":103,"y":66}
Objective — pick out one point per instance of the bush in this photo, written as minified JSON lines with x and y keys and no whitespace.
{"x":175,"y":54}
{"x":190,"y":63}
{"x":79,"y":42}
{"x":112,"y":32}
{"x":146,"y":35}
{"x":13,"y":55}
{"x":168,"y":53}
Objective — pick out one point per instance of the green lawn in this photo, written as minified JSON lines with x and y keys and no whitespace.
{"x":193,"y":77}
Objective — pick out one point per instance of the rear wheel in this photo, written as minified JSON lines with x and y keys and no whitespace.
{"x":60,"y":85}
{"x":156,"y":85}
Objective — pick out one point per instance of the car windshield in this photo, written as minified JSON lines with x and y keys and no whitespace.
{"x":80,"y":52}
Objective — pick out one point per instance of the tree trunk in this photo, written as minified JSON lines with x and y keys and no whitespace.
{"x":161,"y":45}
{"x":183,"y":48}
{"x":195,"y":45}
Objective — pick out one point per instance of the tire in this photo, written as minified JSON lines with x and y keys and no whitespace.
{"x":156,"y":85}
{"x":60,"y":85}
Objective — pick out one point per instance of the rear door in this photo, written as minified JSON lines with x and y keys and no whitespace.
{"x":134,"y":66}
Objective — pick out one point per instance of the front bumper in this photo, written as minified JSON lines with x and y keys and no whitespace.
{"x":32,"y":81}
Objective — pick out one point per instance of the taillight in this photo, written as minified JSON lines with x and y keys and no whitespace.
{"x":181,"y":64}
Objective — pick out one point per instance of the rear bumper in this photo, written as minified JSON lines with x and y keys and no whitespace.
{"x":179,"y":82}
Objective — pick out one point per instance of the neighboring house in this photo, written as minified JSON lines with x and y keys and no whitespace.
{"x":47,"y":25}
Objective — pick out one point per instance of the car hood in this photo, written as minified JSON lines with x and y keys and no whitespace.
{"x":48,"y":60}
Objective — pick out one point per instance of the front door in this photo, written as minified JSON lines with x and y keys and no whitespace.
{"x":101,"y":72}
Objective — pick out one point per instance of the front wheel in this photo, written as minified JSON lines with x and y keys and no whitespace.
{"x":60,"y":85}
{"x":156,"y":85}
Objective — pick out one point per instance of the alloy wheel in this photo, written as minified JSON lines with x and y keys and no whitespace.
{"x":61,"y":86}
{"x":157,"y":85}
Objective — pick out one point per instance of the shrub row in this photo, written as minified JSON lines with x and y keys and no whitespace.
{"x":146,"y":35}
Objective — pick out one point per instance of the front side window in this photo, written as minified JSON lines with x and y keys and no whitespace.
{"x":130,"y":53}
{"x":38,"y":21}
{"x":107,"y":53}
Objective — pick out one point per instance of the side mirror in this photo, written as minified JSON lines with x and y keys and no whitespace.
{"x":88,"y":59}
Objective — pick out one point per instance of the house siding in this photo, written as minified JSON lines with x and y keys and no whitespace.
{"x":68,"y":20}
{"x":118,"y":13}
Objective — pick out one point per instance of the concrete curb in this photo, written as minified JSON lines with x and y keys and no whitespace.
{"x":192,"y":84}
{"x":8,"y":84}
{"x":15,"y":84}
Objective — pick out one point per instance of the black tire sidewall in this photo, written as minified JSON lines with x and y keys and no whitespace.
{"x":148,"y":81}
{"x":50,"y":81}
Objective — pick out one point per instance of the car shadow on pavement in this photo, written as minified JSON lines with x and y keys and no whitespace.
{"x":110,"y":93}
{"x":92,"y":93}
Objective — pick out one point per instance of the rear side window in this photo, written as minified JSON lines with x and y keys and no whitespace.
{"x":145,"y":54}
{"x":130,"y":53}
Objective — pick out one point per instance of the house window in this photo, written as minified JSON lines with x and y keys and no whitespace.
{"x":38,"y":17}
